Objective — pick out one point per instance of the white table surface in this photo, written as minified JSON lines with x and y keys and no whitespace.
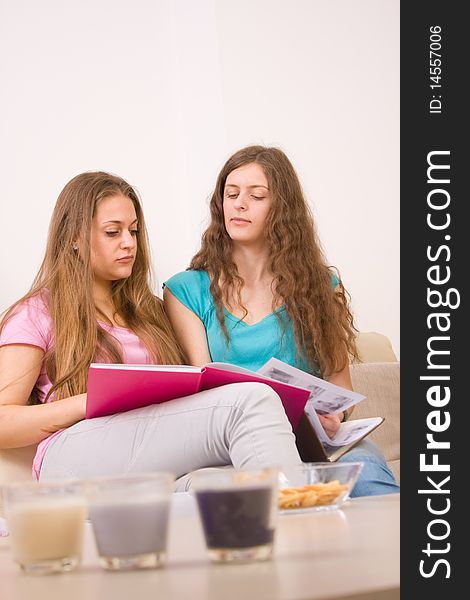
{"x":348,"y":553}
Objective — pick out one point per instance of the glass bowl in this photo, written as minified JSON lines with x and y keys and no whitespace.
{"x":316,"y":486}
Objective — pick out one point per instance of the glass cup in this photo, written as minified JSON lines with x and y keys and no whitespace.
{"x":238,"y":511}
{"x":46,"y":524}
{"x":130,"y":515}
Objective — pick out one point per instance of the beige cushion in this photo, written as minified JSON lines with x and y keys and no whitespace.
{"x":374,"y":347}
{"x":380,"y":383}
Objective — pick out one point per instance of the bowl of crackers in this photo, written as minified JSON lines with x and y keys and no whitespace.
{"x":316,"y":486}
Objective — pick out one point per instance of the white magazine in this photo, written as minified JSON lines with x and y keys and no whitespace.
{"x":326,"y":398}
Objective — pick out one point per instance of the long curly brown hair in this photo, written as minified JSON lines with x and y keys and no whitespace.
{"x":65,"y":281}
{"x":321,"y":317}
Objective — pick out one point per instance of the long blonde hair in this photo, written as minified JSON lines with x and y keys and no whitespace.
{"x":65,"y":281}
{"x":321,"y":318}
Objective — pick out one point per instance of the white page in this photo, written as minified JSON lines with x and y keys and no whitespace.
{"x":315,"y":421}
{"x":234,"y":368}
{"x":326,"y":397}
{"x":350,"y":431}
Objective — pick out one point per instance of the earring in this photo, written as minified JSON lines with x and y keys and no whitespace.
{"x":75,"y":247}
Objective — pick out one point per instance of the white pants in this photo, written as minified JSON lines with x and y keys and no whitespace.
{"x":241,"y":424}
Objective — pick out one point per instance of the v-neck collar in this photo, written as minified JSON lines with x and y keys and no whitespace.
{"x":239,"y":320}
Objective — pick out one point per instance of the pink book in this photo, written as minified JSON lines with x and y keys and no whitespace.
{"x":114,"y":388}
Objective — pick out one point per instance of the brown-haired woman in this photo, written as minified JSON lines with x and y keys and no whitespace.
{"x":91,"y":302}
{"x":260,"y":287}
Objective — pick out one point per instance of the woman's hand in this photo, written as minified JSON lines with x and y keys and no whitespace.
{"x":330,"y":423}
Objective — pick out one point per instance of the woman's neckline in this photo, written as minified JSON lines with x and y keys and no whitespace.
{"x":240,"y":320}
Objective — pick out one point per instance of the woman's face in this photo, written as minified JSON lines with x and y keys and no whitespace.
{"x":113,"y":239}
{"x":247,"y":202}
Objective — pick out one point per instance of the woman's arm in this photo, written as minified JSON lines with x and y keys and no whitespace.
{"x":343,"y":379}
{"x":331,"y":423}
{"x":21,"y":424}
{"x":189,"y":330}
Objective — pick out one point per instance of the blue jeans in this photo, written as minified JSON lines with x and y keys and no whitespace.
{"x":375,"y":478}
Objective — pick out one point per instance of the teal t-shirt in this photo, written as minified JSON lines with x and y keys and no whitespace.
{"x":250,"y":346}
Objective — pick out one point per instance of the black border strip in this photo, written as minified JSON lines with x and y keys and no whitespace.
{"x":431,"y":567}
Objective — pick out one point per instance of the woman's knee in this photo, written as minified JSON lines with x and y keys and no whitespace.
{"x":366,"y":451}
{"x":376,"y":476}
{"x":260,"y":395}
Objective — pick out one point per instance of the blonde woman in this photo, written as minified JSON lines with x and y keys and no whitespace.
{"x":90,"y":302}
{"x":260,"y":287}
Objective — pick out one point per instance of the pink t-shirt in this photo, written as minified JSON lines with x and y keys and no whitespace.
{"x":32,"y":324}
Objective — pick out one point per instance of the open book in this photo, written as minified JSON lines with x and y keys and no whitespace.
{"x":325,"y":398}
{"x":114,"y":388}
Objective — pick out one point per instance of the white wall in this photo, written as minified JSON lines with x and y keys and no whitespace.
{"x":162,"y":92}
